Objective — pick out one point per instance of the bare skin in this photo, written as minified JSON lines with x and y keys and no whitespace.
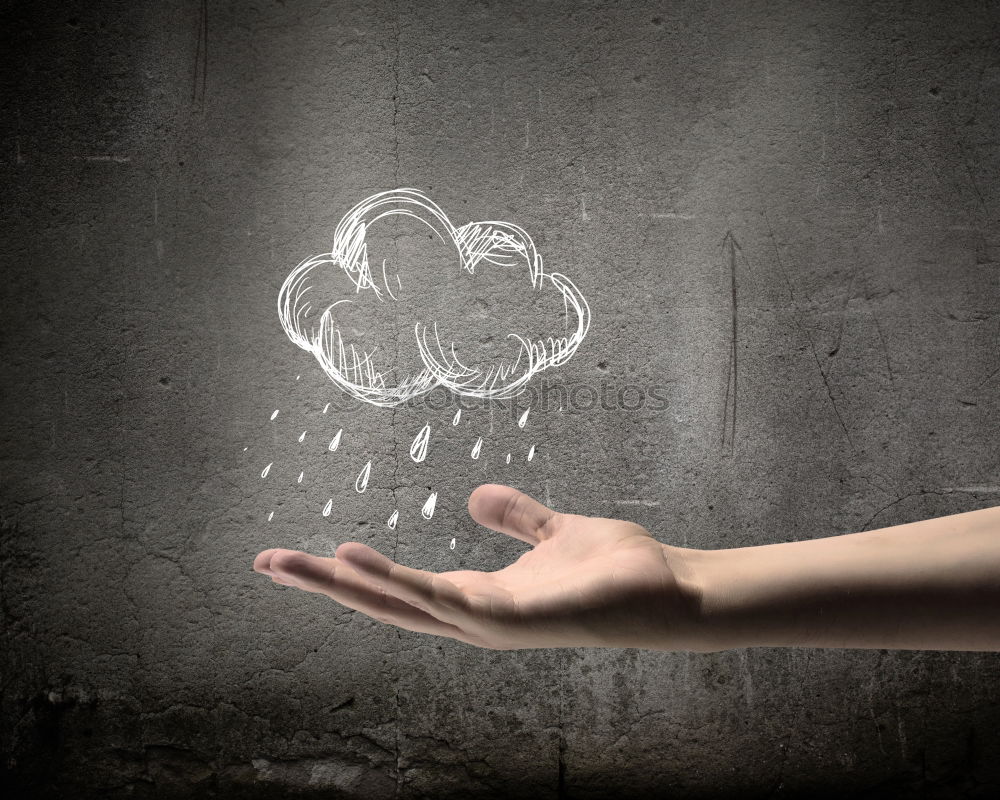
{"x":594,"y":582}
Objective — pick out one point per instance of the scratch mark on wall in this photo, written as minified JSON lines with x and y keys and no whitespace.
{"x":731,"y":247}
{"x":797,"y":316}
{"x":200,"y":78}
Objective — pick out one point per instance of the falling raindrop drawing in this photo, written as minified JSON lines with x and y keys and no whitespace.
{"x":477,"y":447}
{"x":328,"y":507}
{"x":524,"y":418}
{"x":418,"y":450}
{"x":275,"y":414}
{"x":301,"y":476}
{"x":428,"y":510}
{"x":508,"y":458}
{"x":531,"y":453}
{"x":326,"y":408}
{"x":302,"y":437}
{"x":270,"y":516}
{"x":335,"y":441}
{"x":452,"y":545}
{"x":393,"y":518}
{"x":244,"y":449}
{"x":457,"y":417}
{"x":362,"y":480}
{"x":266,"y":470}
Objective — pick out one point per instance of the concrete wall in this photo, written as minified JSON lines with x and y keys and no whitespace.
{"x":784,"y":214}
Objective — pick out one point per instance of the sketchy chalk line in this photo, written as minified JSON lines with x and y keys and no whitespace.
{"x":498,"y":243}
{"x":335,"y":441}
{"x":428,"y":510}
{"x":361,"y":483}
{"x":418,"y":450}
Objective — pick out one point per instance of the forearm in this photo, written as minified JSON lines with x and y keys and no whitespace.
{"x":931,"y":585}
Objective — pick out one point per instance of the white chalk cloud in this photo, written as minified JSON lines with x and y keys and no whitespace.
{"x":327,"y":328}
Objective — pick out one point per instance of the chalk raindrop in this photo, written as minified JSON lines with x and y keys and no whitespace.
{"x":428,"y":510}
{"x":335,"y":441}
{"x":452,"y":545}
{"x":524,"y":418}
{"x":302,"y":437}
{"x":477,"y":447}
{"x":266,"y":470}
{"x":275,"y":414}
{"x":531,"y":453}
{"x":418,"y":450}
{"x":457,"y":417}
{"x":393,"y":519}
{"x":328,"y":507}
{"x":362,"y":481}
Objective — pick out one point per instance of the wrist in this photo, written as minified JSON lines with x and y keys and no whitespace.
{"x":700,"y":580}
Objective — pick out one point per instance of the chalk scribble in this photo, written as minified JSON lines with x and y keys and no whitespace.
{"x":418,"y":450}
{"x":361,"y":372}
{"x":428,"y":510}
{"x":361,"y":483}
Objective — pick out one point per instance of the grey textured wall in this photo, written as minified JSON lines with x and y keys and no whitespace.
{"x":786,"y":214}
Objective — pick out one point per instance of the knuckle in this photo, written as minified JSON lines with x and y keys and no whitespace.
{"x":511,"y":511}
{"x":550,"y":525}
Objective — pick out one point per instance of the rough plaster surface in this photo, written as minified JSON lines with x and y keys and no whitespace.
{"x":784,"y":214}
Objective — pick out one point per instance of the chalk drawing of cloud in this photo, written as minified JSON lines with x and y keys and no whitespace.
{"x":329,"y":328}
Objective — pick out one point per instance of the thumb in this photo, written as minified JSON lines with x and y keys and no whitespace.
{"x":506,"y":510}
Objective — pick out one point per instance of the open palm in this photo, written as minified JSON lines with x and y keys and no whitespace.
{"x":586,"y":581}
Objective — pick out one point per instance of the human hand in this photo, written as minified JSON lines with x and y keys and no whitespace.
{"x":586,"y":582}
